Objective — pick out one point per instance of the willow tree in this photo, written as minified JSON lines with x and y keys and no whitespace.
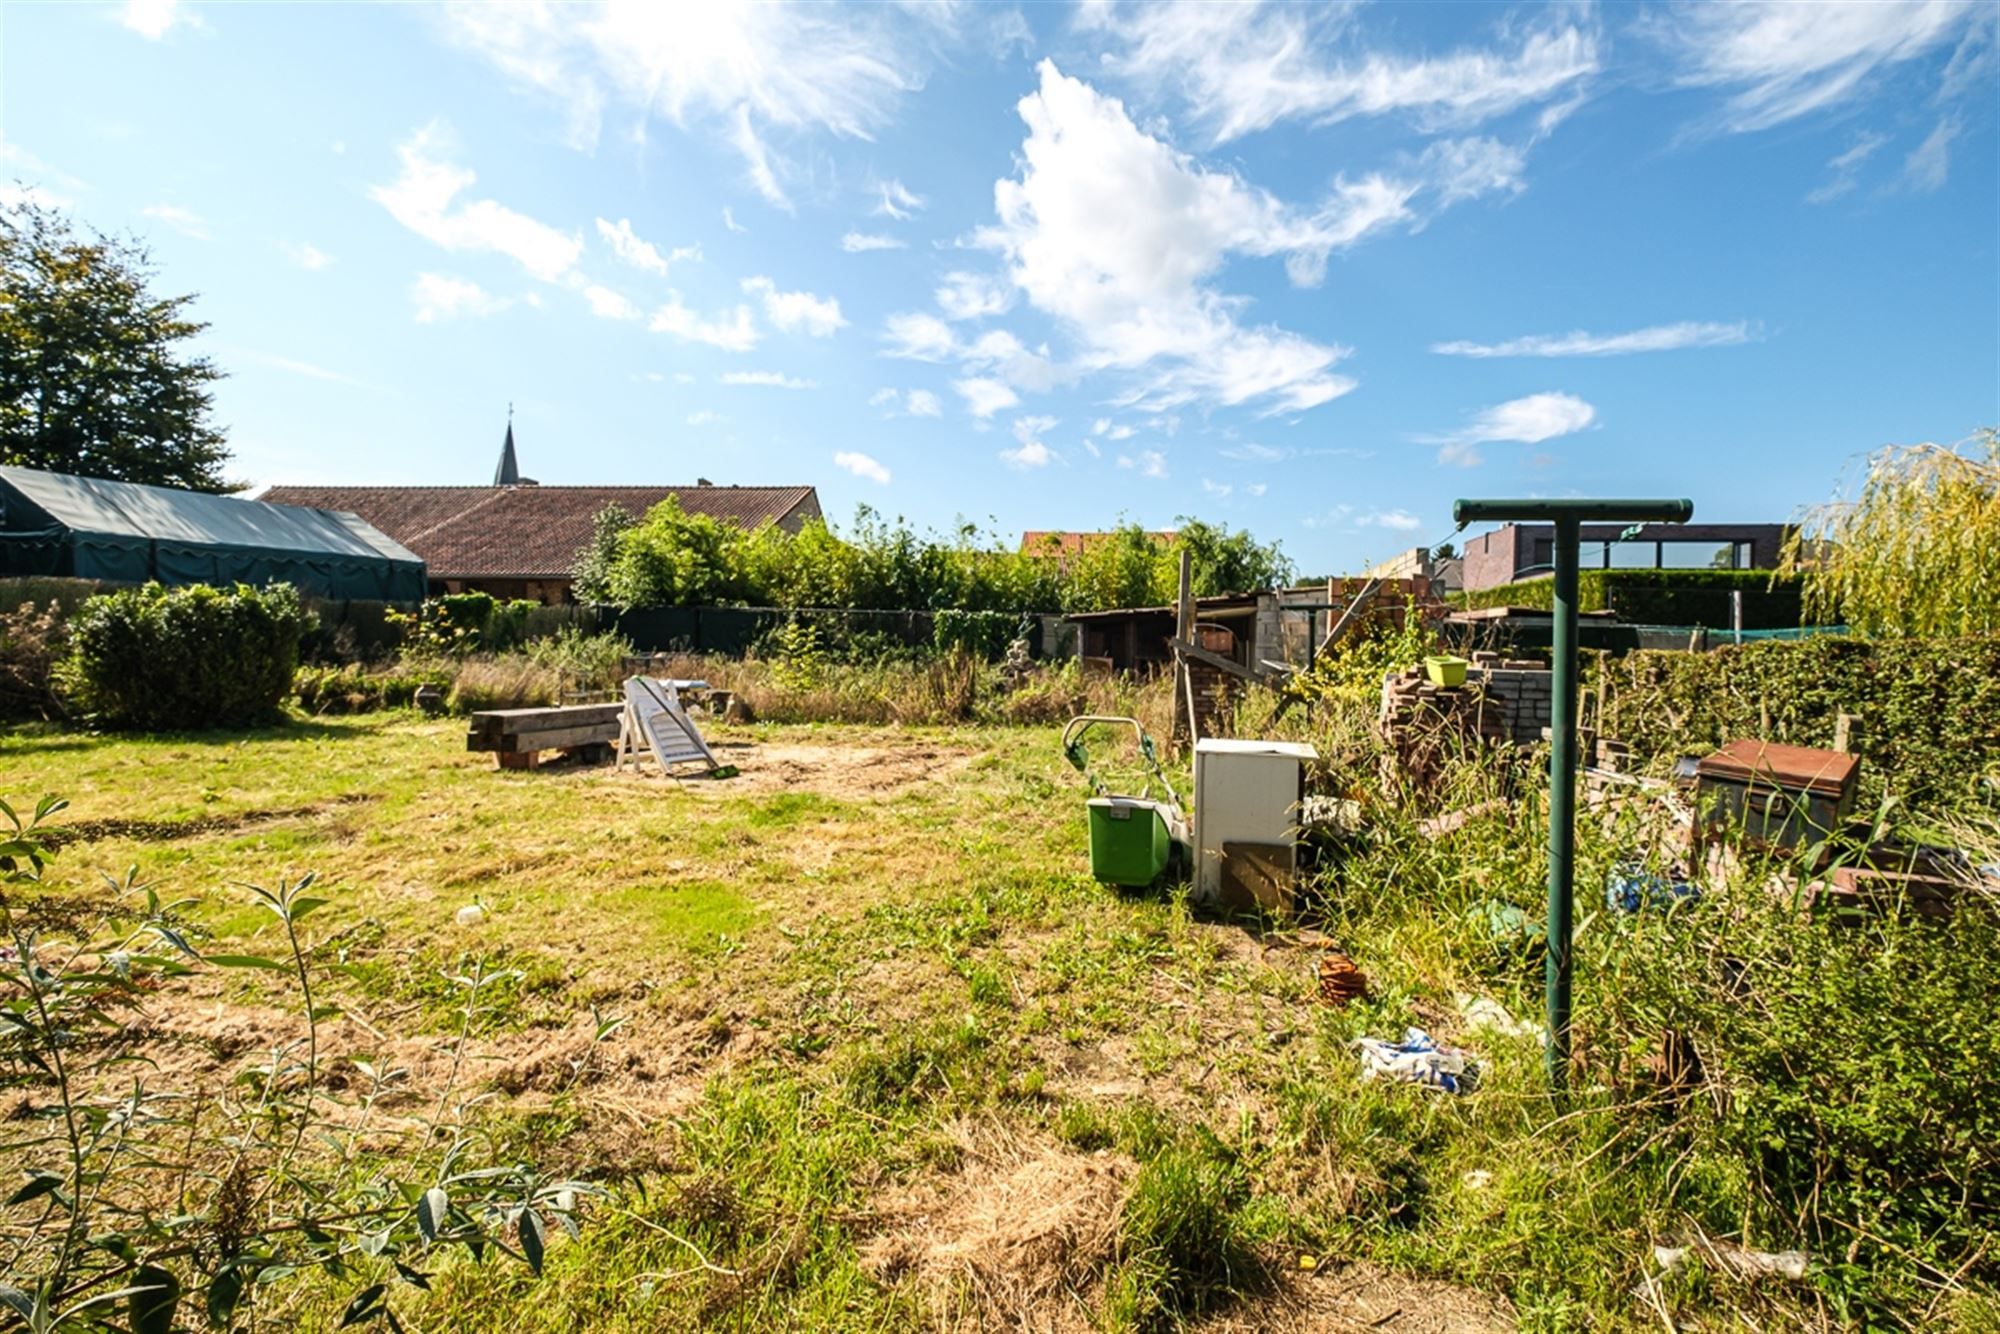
{"x":1915,"y":550}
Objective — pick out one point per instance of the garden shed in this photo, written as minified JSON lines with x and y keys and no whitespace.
{"x":88,"y":528}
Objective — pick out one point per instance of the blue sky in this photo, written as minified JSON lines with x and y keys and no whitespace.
{"x":1314,"y":272}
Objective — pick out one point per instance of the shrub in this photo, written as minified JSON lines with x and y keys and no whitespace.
{"x":159,"y":658}
{"x":31,"y":645}
{"x":513,"y":682}
{"x":671,"y":558}
{"x":582,"y":661}
{"x":1662,"y":597}
{"x":1851,"y":1072}
{"x":353,"y":689}
{"x":1929,"y":709}
{"x":984,"y":634}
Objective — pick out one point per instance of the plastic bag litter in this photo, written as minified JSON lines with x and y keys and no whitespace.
{"x":1485,"y":1012}
{"x":1631,"y":888}
{"x":1417,"y":1059}
{"x":1743,"y":1263}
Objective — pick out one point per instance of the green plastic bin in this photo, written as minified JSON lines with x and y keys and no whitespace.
{"x":1129,"y":840}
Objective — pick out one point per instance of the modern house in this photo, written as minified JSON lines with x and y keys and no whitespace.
{"x":519,"y":539}
{"x":1526,"y":550}
{"x":122,"y":532}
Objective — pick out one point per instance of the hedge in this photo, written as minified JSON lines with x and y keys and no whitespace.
{"x":1929,"y":710}
{"x":1661,"y":597}
{"x":183,"y":659}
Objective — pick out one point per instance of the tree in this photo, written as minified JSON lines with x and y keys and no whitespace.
{"x":95,"y":378}
{"x":1913,"y":553}
{"x":1222,"y":561}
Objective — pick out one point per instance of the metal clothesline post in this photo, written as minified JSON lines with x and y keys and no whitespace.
{"x":1568,"y":516}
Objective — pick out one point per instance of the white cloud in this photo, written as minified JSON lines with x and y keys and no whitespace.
{"x":1846,"y":166}
{"x":1929,"y":163}
{"x":308,"y":257}
{"x":861,"y":466}
{"x":1031,"y":454}
{"x":729,"y":220}
{"x":705,"y":418}
{"x":1110,"y":430}
{"x":732,"y":331}
{"x":609,"y":305}
{"x":1256,"y":488}
{"x":1783,"y":60}
{"x":1120,"y":236}
{"x":185,"y":221}
{"x":749,"y":71}
{"x":984,"y":397}
{"x":915,"y":336}
{"x":998,"y":351}
{"x":795,"y":311}
{"x":916,"y":403}
{"x":1029,"y":450}
{"x":152,"y":19}
{"x":896,"y":202}
{"x":857,"y":243}
{"x":1397,"y":520}
{"x":1148,"y":463}
{"x":1220,"y":490}
{"x":1578,"y":343}
{"x":1244,"y":67}
{"x":767,"y":380}
{"x":641,"y":254}
{"x":1528,"y":421}
{"x":439,"y":296}
{"x":421,"y":198}
{"x":972,"y":296}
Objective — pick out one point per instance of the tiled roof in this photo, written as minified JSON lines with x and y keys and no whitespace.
{"x":1038,"y":543}
{"x":531,"y":532}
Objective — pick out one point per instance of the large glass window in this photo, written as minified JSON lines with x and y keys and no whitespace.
{"x":1631,"y":555}
{"x":1704,"y":555}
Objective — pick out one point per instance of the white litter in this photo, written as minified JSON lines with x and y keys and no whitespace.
{"x":1417,"y":1059}
{"x":470,"y":915}
{"x":1485,"y":1012}
{"x":1738,"y":1260}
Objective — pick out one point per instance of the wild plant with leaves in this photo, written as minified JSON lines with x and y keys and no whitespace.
{"x":146,"y":1205}
{"x":1910,"y":553}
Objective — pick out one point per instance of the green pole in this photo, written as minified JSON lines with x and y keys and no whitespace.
{"x":1567,"y":516}
{"x":1562,"y":800}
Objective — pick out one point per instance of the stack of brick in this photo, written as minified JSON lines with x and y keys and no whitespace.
{"x":1522,"y":689}
{"x":1426,"y":725}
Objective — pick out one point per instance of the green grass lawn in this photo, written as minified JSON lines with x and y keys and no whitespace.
{"x":888,"y":1058}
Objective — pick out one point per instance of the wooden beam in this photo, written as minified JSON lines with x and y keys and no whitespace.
{"x":1195,"y":653}
{"x":1361,"y":599}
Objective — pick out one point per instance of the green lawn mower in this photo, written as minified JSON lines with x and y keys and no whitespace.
{"x":1132,"y":838}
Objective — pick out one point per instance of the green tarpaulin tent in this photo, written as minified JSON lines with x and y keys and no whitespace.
{"x":85,"y":528}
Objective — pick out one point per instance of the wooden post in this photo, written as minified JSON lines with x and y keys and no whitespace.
{"x":1184,"y":605}
{"x":1184,"y":631}
{"x":1843,"y":731}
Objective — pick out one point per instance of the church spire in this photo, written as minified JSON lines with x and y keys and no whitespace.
{"x":509,"y":471}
